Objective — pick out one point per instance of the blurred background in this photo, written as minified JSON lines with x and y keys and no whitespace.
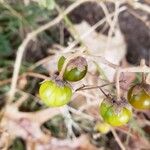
{"x":117,"y":30}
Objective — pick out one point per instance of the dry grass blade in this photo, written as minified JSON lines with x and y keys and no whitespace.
{"x":118,"y":139}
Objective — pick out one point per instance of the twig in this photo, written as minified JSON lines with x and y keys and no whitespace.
{"x":40,"y":62}
{"x":118,"y":139}
{"x":89,"y":87}
{"x":80,"y":113}
{"x":84,"y":107}
{"x":106,"y":95}
{"x":143,"y":19}
{"x":73,"y":44}
{"x":142,"y":63}
{"x":86,"y":94}
{"x":62,"y":35}
{"x":19,"y":102}
{"x":103,"y":60}
{"x":70,"y":26}
{"x":5,"y":139}
{"x":30,"y":144}
{"x":117,"y":84}
{"x":106,"y":12}
{"x":13,"y":11}
{"x":36,"y":75}
{"x":5,"y":81}
{"x":69,"y":122}
{"x":136,"y":69}
{"x":141,"y":6}
{"x":32,"y":74}
{"x":128,"y":137}
{"x":113,"y":24}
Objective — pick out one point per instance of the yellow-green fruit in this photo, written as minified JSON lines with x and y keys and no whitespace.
{"x":139,"y":96}
{"x":54,"y":95}
{"x":103,"y":127}
{"x":114,"y":117}
{"x":76,"y":69}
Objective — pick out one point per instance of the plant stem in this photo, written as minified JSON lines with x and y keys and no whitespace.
{"x":117,"y":84}
{"x":103,"y":92}
{"x":143,"y":77}
{"x":142,"y":64}
{"x":90,"y":87}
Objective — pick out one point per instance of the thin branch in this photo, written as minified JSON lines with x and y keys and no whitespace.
{"x":103,"y":60}
{"x":118,"y":139}
{"x":36,"y":75}
{"x":73,"y":44}
{"x":106,"y":12}
{"x":13,"y":11}
{"x":19,"y":102}
{"x":113,"y":24}
{"x":80,"y":113}
{"x":143,"y":19}
{"x":31,"y":74}
{"x":69,"y":122}
{"x":40,"y":62}
{"x":136,"y":69}
{"x":106,"y":95}
{"x":117,"y":84}
{"x":141,"y":6}
{"x":89,"y":87}
{"x":3,"y":82}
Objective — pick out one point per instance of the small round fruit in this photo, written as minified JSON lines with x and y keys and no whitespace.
{"x":55,"y":94}
{"x":75,"y":70}
{"x":114,"y":117}
{"x":139,"y":96}
{"x":102,"y":127}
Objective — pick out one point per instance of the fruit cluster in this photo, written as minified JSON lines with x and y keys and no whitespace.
{"x":58,"y":92}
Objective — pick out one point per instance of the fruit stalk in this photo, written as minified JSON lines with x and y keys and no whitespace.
{"x":142,"y":64}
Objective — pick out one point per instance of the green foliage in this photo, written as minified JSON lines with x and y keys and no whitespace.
{"x":17,"y":19}
{"x":48,"y":4}
{"x":4,"y":45}
{"x":18,"y":144}
{"x":57,"y":126}
{"x":30,"y":105}
{"x":138,"y":78}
